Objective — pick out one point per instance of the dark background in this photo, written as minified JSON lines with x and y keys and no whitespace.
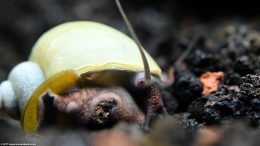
{"x":157,"y":22}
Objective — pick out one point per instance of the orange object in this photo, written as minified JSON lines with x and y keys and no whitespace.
{"x":210,"y":81}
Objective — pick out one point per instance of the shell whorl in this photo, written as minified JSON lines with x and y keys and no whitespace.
{"x":22,"y":81}
{"x":8,"y":99}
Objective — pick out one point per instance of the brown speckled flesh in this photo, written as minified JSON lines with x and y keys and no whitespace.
{"x":99,"y":105}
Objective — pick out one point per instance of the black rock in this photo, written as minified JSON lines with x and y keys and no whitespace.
{"x":186,"y":88}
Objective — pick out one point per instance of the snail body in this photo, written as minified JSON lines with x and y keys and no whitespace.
{"x":72,"y":55}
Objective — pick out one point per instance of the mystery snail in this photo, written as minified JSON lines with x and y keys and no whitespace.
{"x":79,"y":65}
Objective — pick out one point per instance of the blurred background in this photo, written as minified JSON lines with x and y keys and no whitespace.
{"x":156,"y":22}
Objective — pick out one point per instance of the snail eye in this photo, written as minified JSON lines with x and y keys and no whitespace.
{"x":139,"y":80}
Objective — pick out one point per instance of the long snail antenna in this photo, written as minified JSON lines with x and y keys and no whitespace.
{"x":187,"y":51}
{"x":134,"y":36}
